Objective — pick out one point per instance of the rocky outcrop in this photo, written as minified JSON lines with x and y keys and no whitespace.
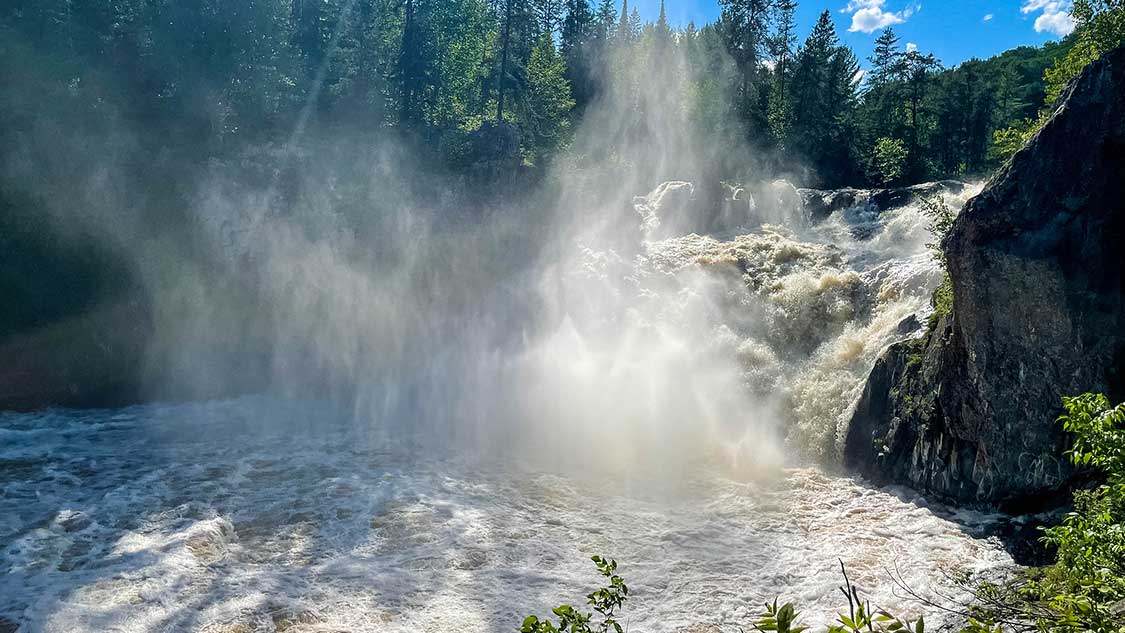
{"x":496,"y":157}
{"x":87,"y":360}
{"x":1038,"y":273}
{"x":667,"y":211}
{"x":821,"y":203}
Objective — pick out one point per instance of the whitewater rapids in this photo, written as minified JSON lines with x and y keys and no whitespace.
{"x":139,"y":520}
{"x":263,"y":514}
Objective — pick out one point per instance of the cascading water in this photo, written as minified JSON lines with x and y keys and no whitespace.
{"x":666,"y":410}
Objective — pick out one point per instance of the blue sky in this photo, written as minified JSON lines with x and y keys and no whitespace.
{"x":953,"y":30}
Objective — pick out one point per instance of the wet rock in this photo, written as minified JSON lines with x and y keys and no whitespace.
{"x":496,"y":157}
{"x":909,"y":325}
{"x":969,"y":411}
{"x":71,"y":521}
{"x":1022,"y":538}
{"x":667,"y":210}
{"x":8,"y":626}
{"x":819,"y":204}
{"x":289,"y":620}
{"x":210,"y":540}
{"x":469,"y":560}
{"x":884,"y":199}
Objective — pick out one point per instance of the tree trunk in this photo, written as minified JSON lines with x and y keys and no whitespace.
{"x":503,"y":61}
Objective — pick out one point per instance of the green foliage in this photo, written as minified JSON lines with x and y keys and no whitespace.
{"x":1100,"y":27}
{"x":543,"y":112}
{"x":1007,"y":141}
{"x":888,"y":160}
{"x":605,"y":601}
{"x":943,"y":302}
{"x":861,"y":617}
{"x":941,"y":217}
{"x":1084,"y":590}
{"x":781,"y":619}
{"x":221,"y":76}
{"x":1086,"y":586}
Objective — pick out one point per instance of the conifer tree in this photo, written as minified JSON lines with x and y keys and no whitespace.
{"x":544,"y":115}
{"x":548,"y":15}
{"x":624,"y":28}
{"x":782,"y":45}
{"x":605,"y":21}
{"x":747,"y":29}
{"x":577,"y":30}
{"x":662,"y":31}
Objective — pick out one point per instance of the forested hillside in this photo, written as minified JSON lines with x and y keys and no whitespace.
{"x":212,"y":76}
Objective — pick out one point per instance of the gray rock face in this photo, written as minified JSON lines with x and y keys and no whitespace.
{"x":666,"y":211}
{"x":821,"y":203}
{"x":1037,"y":262}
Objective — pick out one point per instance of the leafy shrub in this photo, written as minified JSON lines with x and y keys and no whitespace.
{"x":861,"y":617}
{"x":941,"y":217}
{"x":605,"y":601}
{"x":1007,"y":141}
{"x":888,"y":160}
{"x":1086,"y":586}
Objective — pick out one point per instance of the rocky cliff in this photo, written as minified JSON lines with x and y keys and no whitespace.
{"x":1037,"y":263}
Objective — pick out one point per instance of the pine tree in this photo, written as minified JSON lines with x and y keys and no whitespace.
{"x":577,"y":27}
{"x":746,"y":24}
{"x":577,"y":30}
{"x":636,"y":25}
{"x":518,"y":29}
{"x":548,"y":14}
{"x":411,"y":66}
{"x":662,"y":32}
{"x":824,"y":89}
{"x":606,"y":21}
{"x":884,"y":89}
{"x":886,"y":60}
{"x":918,"y":70}
{"x":782,"y":46}
{"x":544,"y":112}
{"x":624,"y":29}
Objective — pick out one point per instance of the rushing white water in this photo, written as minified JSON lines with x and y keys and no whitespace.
{"x":258,"y":515}
{"x":660,"y":418}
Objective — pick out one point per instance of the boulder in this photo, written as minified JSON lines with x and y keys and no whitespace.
{"x":820,"y":203}
{"x":667,"y":211}
{"x":969,"y":411}
{"x":496,"y":157}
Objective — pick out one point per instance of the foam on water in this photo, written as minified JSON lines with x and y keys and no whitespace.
{"x":264,"y":515}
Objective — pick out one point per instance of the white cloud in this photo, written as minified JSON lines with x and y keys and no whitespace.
{"x":1054,"y":15}
{"x":911,"y":47}
{"x":869,"y":16}
{"x":987,"y":18}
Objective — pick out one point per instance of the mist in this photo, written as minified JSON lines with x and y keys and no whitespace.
{"x":527,"y":315}
{"x":338,"y":265}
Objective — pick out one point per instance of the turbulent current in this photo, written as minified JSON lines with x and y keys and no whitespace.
{"x":689,"y":385}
